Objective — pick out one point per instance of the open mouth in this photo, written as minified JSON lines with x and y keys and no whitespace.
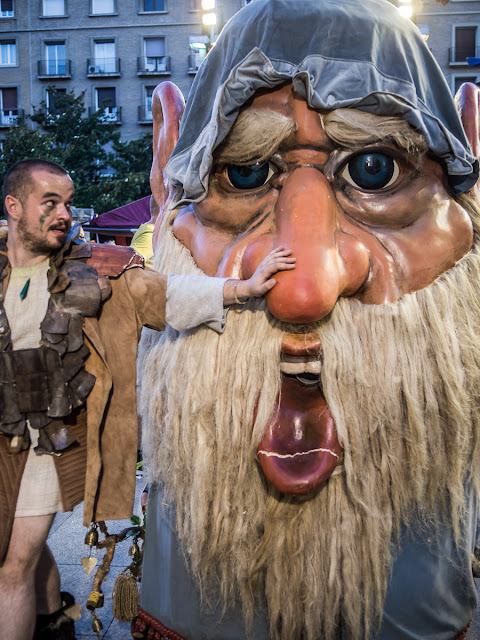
{"x":306,"y":378}
{"x":300,"y":448}
{"x":59,"y":230}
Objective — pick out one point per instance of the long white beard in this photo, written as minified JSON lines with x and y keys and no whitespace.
{"x":402,"y":382}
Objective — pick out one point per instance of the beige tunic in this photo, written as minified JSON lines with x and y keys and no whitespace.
{"x":39,"y":489}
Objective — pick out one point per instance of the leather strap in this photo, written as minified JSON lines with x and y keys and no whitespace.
{"x":11,"y":470}
{"x":112,"y":261}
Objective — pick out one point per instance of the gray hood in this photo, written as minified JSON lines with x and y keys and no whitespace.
{"x":337,"y":53}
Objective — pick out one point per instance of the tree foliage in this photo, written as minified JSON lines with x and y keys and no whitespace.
{"x":107,"y":172}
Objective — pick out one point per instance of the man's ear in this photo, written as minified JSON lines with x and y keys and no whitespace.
{"x":167,"y":110}
{"x":13,"y":207}
{"x":467,"y":100}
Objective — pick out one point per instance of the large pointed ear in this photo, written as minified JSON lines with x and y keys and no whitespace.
{"x":167,"y":110}
{"x":467,"y":100}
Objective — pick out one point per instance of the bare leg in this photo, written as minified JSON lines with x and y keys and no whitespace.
{"x":47,"y":583}
{"x":17,"y":576}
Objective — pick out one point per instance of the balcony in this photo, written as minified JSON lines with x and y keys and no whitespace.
{"x":10,"y":117}
{"x":145,"y":115}
{"x":457,"y":56}
{"x":54,"y":69}
{"x":153,"y":66}
{"x":193,"y":63}
{"x":103,"y":67}
{"x":109,"y":115}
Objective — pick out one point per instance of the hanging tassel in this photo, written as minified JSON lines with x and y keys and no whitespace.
{"x":125,"y":600}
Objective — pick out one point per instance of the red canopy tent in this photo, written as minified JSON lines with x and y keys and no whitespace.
{"x":120,"y":223}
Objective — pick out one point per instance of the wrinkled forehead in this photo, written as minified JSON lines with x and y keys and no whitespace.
{"x":353,"y":53}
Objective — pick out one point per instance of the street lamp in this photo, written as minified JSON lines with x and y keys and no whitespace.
{"x":405,"y":8}
{"x":209,"y":20}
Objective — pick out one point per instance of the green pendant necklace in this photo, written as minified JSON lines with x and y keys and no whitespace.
{"x":24,"y":291}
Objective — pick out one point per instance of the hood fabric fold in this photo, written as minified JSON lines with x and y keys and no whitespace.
{"x":338,"y":54}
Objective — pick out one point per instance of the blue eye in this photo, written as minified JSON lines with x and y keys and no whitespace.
{"x":250,"y":176}
{"x":371,"y":171}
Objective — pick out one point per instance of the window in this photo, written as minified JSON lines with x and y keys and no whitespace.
{"x":8,"y":106}
{"x":53,"y":7}
{"x":104,"y":56}
{"x":8,"y":52}
{"x":52,"y":99}
{"x":153,"y":5}
{"x":55,"y":62}
{"x":106,"y":100}
{"x":465,"y":43}
{"x":148,"y":102}
{"x":459,"y":80}
{"x":196,"y":5}
{"x":103,"y":6}
{"x":424,"y":30}
{"x":198,"y":51}
{"x":6,"y":8}
{"x":155,"y":54}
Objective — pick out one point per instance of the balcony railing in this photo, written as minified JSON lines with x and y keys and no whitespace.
{"x":157,"y":65}
{"x":459,"y":55}
{"x":10,"y":117}
{"x":145,"y":114}
{"x":103,"y":67}
{"x":54,"y":68}
{"x":109,"y":114}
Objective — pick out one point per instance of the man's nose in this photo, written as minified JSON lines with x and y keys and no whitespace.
{"x":64,"y":212}
{"x":330,"y":262}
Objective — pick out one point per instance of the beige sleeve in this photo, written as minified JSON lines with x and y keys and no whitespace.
{"x":195,"y":300}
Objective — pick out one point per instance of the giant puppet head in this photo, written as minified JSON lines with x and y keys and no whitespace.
{"x":296,"y":445}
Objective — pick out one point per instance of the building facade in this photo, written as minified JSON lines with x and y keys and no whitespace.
{"x":453,"y":32}
{"x":116,"y":51}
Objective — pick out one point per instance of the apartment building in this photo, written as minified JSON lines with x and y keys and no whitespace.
{"x":453,"y":32}
{"x":116,"y":51}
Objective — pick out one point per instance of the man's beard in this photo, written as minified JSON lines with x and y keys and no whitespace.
{"x":39,"y":245}
{"x":402,"y":382}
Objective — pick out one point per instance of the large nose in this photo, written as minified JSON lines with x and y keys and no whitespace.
{"x":63,"y":212}
{"x":330,"y":262}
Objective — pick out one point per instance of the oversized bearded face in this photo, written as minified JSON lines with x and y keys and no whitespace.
{"x":294,"y":446}
{"x":367,"y":214}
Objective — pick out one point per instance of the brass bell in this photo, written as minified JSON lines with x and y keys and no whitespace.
{"x":96,"y":624}
{"x":134,"y":549}
{"x":92,"y":537}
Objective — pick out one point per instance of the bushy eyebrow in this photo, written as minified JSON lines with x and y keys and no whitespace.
{"x":258,"y":134}
{"x":354,"y":128}
{"x":255,"y":136}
